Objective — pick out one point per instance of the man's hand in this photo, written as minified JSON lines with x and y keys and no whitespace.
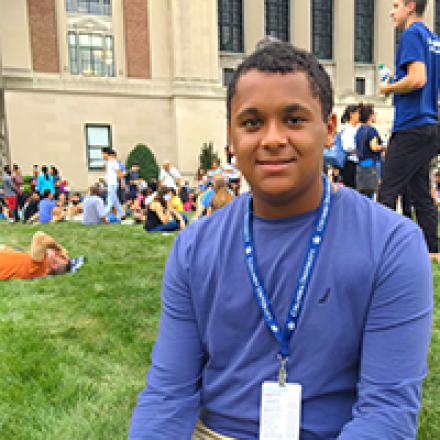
{"x":385,"y":87}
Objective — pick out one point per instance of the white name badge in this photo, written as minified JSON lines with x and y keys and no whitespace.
{"x":280,"y":411}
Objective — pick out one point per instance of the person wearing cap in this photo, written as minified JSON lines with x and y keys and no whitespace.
{"x":169,"y":176}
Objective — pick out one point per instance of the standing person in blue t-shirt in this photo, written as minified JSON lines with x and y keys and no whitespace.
{"x":415,"y":137}
{"x":368,"y":141}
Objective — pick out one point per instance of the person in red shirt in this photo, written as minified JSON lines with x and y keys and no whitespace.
{"x":46,"y":257}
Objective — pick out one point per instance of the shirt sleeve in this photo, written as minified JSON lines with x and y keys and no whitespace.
{"x":395,"y":344}
{"x":168,"y":407}
{"x":412,"y":48}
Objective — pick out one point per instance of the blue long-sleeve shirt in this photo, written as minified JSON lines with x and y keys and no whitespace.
{"x":360,"y":347}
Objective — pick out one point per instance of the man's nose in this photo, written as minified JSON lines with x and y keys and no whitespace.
{"x":274,"y":135}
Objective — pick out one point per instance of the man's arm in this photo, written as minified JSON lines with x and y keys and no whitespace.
{"x":395,"y":344}
{"x":169,"y":406}
{"x":415,"y":79}
{"x":41,"y":242}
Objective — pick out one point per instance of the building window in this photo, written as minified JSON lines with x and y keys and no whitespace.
{"x":98,"y":137}
{"x":322,"y":29}
{"x":277,"y":18}
{"x":227,"y":76}
{"x":364,"y":31}
{"x":360,"y":86}
{"x":230,"y":25}
{"x":91,"y":55}
{"x":97,"y":7}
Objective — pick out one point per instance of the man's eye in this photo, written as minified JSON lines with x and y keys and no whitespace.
{"x":295,"y":119}
{"x":251,"y":122}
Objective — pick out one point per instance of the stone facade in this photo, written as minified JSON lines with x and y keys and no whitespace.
{"x":167,"y":89}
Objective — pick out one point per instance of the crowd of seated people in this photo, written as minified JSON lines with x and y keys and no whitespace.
{"x":156,"y":208}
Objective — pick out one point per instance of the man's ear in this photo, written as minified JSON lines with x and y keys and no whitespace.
{"x":332,"y":123}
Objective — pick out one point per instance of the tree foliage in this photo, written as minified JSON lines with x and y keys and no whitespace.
{"x":147,"y":162}
{"x":207,"y":155}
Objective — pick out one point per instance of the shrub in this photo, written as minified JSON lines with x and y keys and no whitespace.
{"x":147,"y":162}
{"x":207,"y":155}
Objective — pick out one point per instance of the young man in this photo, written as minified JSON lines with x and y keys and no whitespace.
{"x":94,"y":210}
{"x":49,"y":211}
{"x":45,"y":257}
{"x":113,"y":176}
{"x":18,"y":182}
{"x":169,"y":176}
{"x":415,"y":139}
{"x":10,"y":192}
{"x":133,"y":180}
{"x":353,"y":333}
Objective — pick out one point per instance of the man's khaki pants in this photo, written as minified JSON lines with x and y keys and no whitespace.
{"x":202,"y":432}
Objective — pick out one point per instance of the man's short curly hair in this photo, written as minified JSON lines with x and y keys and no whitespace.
{"x":284,"y":58}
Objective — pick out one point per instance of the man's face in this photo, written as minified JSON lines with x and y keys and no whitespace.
{"x":18,"y":172}
{"x":278,"y":134}
{"x":104,"y":155}
{"x":166,"y":166}
{"x":136,"y":168}
{"x":57,"y":264}
{"x":401,"y":12}
{"x":214,"y":165}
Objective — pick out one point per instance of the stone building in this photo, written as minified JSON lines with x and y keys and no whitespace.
{"x":77,"y":75}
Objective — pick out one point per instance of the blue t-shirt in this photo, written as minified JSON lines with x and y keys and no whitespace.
{"x":364,"y":135}
{"x":418,"y":107}
{"x":46,"y":206}
{"x":43,"y":184}
{"x":360,"y":347}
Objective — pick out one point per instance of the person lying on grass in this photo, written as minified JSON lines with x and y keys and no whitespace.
{"x":46,"y":257}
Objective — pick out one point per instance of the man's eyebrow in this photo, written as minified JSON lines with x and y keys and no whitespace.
{"x":295,"y":107}
{"x":248,"y":111}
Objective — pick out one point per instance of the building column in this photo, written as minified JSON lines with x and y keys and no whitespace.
{"x":119,"y":53}
{"x":63,"y":52}
{"x":343,"y":46}
{"x":429,"y":16}
{"x":254,"y":24}
{"x":301,"y":24}
{"x":195,"y":39}
{"x":384,"y":35}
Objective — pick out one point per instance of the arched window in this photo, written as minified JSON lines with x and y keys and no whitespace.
{"x":364,"y":31}
{"x":322,"y":29}
{"x":230,"y":25}
{"x":277,"y":18}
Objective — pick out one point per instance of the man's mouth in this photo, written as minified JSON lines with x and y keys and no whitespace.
{"x":275,"y":165}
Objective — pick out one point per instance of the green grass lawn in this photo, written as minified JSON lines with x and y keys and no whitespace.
{"x":74,"y":349}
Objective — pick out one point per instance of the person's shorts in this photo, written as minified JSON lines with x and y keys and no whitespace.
{"x":11,"y":202}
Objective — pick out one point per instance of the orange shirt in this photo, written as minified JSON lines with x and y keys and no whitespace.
{"x":19,"y":264}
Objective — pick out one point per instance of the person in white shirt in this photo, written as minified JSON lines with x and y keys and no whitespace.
{"x":350,"y":118}
{"x":113,"y":175}
{"x":169,"y":176}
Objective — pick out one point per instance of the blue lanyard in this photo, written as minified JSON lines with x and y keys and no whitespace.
{"x":302,"y":285}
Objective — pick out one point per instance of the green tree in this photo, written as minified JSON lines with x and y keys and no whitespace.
{"x":207,"y":155}
{"x":147,"y":162}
